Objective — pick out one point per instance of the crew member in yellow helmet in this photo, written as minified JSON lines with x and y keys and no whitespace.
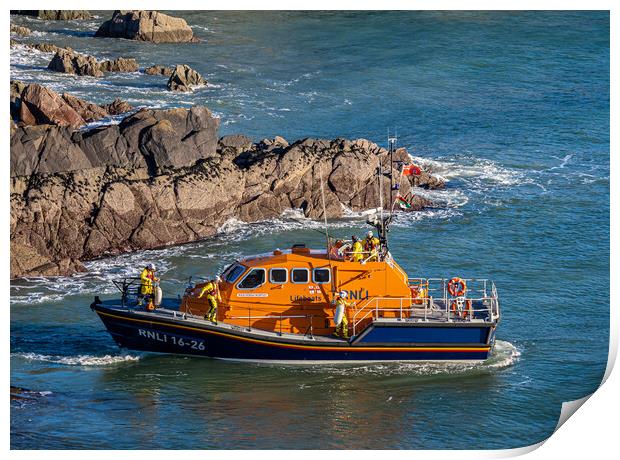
{"x":212,"y":291}
{"x":147,"y":279}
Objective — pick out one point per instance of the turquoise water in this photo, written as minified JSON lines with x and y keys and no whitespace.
{"x":511,"y":107}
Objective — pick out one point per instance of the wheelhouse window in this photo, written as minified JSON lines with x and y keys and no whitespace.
{"x":232,"y":273}
{"x":278,"y":275}
{"x":321,"y":275}
{"x":300,"y":275}
{"x":253,"y":279}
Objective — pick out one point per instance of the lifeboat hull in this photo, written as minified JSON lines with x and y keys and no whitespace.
{"x":175,"y":333}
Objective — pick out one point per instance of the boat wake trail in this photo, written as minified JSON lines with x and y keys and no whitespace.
{"x":504,"y":355}
{"x":80,"y":360}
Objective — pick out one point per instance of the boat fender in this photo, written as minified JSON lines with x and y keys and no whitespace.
{"x":457,"y":287}
{"x":339,"y":314}
{"x":158,"y":296}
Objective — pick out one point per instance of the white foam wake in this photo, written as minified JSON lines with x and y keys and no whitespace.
{"x":504,"y":355}
{"x":80,"y":360}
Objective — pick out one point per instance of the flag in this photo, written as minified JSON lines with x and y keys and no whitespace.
{"x":402,"y":202}
{"x":412,"y":170}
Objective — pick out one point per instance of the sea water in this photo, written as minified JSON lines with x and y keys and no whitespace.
{"x":511,"y":108}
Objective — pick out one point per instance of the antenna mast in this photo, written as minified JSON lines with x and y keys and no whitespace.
{"x":391,"y":145}
{"x":329,"y":256}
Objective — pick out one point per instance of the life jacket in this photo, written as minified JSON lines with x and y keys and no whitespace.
{"x":210,"y":289}
{"x":147,"y":277}
{"x":357,"y":251}
{"x":371,"y":244}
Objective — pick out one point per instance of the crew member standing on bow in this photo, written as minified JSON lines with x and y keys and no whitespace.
{"x":147,"y":278}
{"x":371,"y":247}
{"x":212,"y":291}
{"x":340,"y":315}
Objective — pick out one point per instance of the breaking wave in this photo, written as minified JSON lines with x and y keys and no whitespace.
{"x":80,"y":360}
{"x":477,"y":172}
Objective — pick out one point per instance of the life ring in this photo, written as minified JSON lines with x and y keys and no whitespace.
{"x":463,"y":312}
{"x":457,"y":287}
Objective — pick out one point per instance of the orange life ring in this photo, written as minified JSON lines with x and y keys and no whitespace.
{"x":457,"y":287}
{"x":464,"y":312}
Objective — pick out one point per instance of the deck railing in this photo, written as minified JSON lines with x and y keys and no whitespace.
{"x":480,"y":302}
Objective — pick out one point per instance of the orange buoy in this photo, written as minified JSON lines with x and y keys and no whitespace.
{"x":457,"y":287}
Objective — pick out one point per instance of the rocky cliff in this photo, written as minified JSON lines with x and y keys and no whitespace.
{"x":161,"y":177}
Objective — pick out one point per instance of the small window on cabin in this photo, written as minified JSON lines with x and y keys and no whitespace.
{"x":321,"y":275}
{"x":253,"y":279}
{"x":278,"y":275}
{"x":300,"y":275}
{"x":234,"y":273}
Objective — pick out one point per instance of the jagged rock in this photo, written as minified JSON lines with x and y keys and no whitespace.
{"x":117,"y":107}
{"x":47,"y":47}
{"x":135,"y":195}
{"x":43,"y":47}
{"x":20,"y":30}
{"x":68,"y":61}
{"x":55,"y":15}
{"x":184,"y":78}
{"x":146,"y":26}
{"x":153,"y":139}
{"x":234,"y":143}
{"x":39,"y":105}
{"x":87,"y":110}
{"x":119,"y":65}
{"x":159,"y":70}
{"x":74,"y":63}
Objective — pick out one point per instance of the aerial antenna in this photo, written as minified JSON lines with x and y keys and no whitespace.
{"x":391,"y":145}
{"x":329,"y":256}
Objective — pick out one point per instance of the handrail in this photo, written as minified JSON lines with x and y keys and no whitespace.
{"x":437,"y":303}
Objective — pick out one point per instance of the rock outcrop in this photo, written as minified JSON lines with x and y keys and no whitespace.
{"x":160,"y":178}
{"x":154,"y":140}
{"x":117,"y":107}
{"x":119,"y":65}
{"x":40,"y":105}
{"x":74,"y":63}
{"x":149,"y":26}
{"x":184,"y":79}
{"x":43,"y":47}
{"x":159,"y":70}
{"x":20,"y":30}
{"x":68,"y":61}
{"x":87,"y":110}
{"x":55,"y":15}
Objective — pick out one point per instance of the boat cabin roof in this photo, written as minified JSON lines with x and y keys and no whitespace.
{"x":280,"y":256}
